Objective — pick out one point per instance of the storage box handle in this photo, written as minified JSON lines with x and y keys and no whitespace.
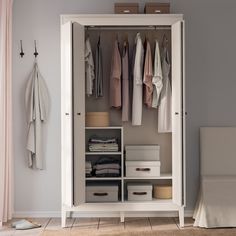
{"x":157,"y":11}
{"x":100,"y":194}
{"x":143,"y":169}
{"x":126,"y":11}
{"x":140,"y":193}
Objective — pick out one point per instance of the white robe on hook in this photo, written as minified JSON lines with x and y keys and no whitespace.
{"x":37,"y":110}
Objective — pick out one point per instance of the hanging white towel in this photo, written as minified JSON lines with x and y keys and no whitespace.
{"x":37,"y":108}
{"x":89,"y":68}
{"x":164,"y":112}
{"x":138,"y":83}
{"x":157,"y":77}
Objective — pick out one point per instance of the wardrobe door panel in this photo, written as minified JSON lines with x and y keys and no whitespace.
{"x":79,"y":113}
{"x":177,"y":112}
{"x":66,"y":115}
{"x":184,"y":116}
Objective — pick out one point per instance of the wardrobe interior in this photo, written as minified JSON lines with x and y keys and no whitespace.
{"x":147,"y":132}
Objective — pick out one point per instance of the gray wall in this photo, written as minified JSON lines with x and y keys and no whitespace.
{"x":210,"y":79}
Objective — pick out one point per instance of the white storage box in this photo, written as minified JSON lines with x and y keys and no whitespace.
{"x":142,"y":152}
{"x":142,"y":168}
{"x":139,"y":192}
{"x":105,"y":193}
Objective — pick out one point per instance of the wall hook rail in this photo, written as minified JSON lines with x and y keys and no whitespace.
{"x":21,"y":49}
{"x":35,"y":49}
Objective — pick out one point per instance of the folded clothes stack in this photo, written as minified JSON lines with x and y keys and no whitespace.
{"x":88,"y":168}
{"x":98,"y":144}
{"x":107,"y":167}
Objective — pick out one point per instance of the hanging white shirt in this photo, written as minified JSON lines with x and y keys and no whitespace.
{"x":157,"y":77}
{"x":165,"y":107}
{"x":138,"y":83}
{"x":89,"y":68}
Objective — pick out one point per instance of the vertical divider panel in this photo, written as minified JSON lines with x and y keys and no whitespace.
{"x":122,"y":165}
{"x":177,"y":112}
{"x":66,"y":115}
{"x":79,"y":113}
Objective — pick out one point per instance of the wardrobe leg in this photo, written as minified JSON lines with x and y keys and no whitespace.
{"x":70,"y":214}
{"x":63,"y":218}
{"x":122,"y":217}
{"x":181,"y":217}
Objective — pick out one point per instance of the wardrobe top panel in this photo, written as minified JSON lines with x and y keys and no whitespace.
{"x":122,"y":19}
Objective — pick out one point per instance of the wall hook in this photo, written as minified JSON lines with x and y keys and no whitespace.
{"x":35,"y":49}
{"x":21,"y":49}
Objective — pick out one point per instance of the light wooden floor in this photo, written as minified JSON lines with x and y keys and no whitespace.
{"x":101,"y":224}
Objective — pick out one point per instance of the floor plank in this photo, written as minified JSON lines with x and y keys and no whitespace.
{"x":55,"y":224}
{"x":85,"y":223}
{"x":29,"y":232}
{"x":6,"y":229}
{"x":110,"y":224}
{"x":166,"y":223}
{"x":188,"y":222}
{"x":137,"y":224}
{"x":96,"y":225}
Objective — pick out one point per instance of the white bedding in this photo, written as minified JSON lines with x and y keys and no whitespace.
{"x":216,"y":206}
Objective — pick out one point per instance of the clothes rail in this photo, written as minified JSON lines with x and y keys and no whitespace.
{"x":127,"y":27}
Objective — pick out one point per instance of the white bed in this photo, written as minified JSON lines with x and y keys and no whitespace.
{"x":216,"y":206}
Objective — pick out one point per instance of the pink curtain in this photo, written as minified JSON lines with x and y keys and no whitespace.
{"x":6,"y":165}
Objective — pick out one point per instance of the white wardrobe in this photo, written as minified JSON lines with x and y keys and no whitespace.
{"x":75,"y":104}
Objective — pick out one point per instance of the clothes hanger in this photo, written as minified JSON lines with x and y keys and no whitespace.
{"x":87,"y":32}
{"x":164,"y":41}
{"x":99,"y":38}
{"x":126,"y":40}
{"x":117,"y":37}
{"x":126,"y":37}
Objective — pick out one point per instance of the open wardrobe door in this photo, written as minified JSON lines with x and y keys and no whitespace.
{"x":178,"y":112}
{"x":78,"y":63}
{"x":66,"y":115}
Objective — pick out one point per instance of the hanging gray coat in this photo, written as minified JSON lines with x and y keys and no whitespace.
{"x":37,"y":109}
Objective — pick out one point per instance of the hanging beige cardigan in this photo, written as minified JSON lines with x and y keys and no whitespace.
{"x":37,"y":109}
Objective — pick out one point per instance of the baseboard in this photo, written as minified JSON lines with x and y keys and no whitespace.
{"x":56,"y":214}
{"x":36,"y":214}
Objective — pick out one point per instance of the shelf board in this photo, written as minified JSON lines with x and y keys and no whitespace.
{"x":162,"y":176}
{"x":103,"y":178}
{"x":103,"y":153}
{"x":154,"y":200}
{"x":107,"y":127}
